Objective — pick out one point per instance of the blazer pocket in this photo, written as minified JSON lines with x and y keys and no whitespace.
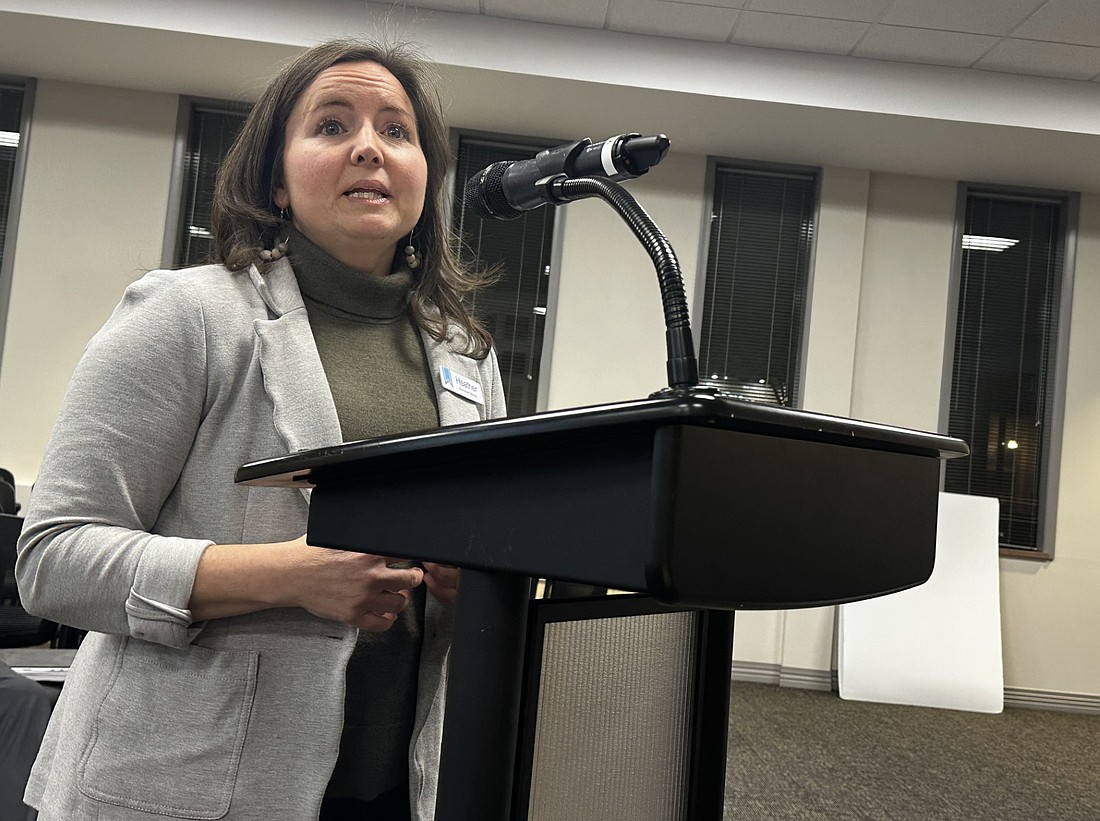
{"x":168,"y":736}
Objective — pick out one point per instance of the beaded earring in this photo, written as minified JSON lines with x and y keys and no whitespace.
{"x":412,"y":256}
{"x":279,"y":251}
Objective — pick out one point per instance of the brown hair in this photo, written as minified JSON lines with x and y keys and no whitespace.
{"x":246,"y":220}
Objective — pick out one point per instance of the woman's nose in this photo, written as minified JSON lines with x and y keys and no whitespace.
{"x":366,"y":149}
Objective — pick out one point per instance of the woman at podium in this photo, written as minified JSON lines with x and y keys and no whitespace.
{"x":232,"y":670}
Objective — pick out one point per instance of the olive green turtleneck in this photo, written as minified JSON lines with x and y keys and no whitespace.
{"x":369,"y":344}
{"x":377,"y":371}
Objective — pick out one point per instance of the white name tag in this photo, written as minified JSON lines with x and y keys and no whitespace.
{"x":459,"y":384}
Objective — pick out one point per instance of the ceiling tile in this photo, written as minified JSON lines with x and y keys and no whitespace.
{"x":912,"y":45}
{"x":664,"y":19}
{"x":797,"y":33}
{"x":469,"y":6}
{"x":1044,"y":59}
{"x":721,"y":4}
{"x":997,"y":17}
{"x":584,"y":13}
{"x":866,"y":11}
{"x":1064,"y":21}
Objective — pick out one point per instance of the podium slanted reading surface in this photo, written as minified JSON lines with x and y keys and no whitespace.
{"x":695,"y":499}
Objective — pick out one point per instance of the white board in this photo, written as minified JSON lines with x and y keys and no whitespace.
{"x":939,"y":644}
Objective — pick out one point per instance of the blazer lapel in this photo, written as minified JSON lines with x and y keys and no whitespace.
{"x":294,"y":380}
{"x":454,"y":408}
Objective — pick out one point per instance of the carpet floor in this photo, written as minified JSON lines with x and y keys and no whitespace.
{"x":803,"y":754}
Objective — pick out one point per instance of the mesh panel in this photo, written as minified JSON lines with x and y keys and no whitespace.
{"x":614,"y":719}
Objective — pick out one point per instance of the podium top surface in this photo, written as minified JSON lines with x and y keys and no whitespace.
{"x":310,"y":467}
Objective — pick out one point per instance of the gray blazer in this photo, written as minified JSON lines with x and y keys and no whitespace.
{"x":197,"y":372}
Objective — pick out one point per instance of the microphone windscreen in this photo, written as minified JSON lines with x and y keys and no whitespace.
{"x":485,"y":193}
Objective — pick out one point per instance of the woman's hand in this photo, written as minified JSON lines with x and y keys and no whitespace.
{"x":355,"y":588}
{"x":360,"y":589}
{"x":441,"y":580}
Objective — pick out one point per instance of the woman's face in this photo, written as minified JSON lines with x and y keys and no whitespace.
{"x":354,"y":174}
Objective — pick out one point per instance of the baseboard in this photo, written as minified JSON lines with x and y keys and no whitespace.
{"x":761,"y":673}
{"x":1050,"y":700}
{"x":797,"y":677}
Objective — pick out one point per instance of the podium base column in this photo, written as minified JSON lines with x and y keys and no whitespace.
{"x":481,"y":722}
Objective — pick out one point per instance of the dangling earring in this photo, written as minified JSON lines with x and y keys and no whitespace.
{"x":279,"y":251}
{"x":412,"y":256}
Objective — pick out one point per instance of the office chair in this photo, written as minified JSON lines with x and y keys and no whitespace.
{"x":7,"y":493}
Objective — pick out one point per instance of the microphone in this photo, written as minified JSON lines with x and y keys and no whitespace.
{"x":504,"y":190}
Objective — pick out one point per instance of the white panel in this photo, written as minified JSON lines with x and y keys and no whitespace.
{"x":1047,"y":59}
{"x":945,"y":48}
{"x":937,"y":645}
{"x":756,"y":28}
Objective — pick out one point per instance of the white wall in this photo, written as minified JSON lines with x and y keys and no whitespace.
{"x":95,"y":199}
{"x":94,"y":202}
{"x":609,"y":342}
{"x":903,"y":301}
{"x":1051,"y":611}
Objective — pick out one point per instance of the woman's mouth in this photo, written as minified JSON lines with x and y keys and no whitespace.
{"x":370,"y":194}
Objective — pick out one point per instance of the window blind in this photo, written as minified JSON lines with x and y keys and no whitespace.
{"x":1004,"y":358}
{"x":756,"y":277}
{"x":210,"y":134}
{"x":514,"y":307}
{"x":11,"y":111}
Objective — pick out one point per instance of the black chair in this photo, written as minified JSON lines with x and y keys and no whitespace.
{"x":7,"y":494}
{"x":18,"y":628}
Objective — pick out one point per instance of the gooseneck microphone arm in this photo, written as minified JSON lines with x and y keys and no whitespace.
{"x":682,"y":366}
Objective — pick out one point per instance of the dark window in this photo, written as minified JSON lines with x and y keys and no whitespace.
{"x":514,"y":308}
{"x":1003,"y":387}
{"x":15,"y":99}
{"x":210,"y":133}
{"x":761,"y":236}
{"x":11,"y":112}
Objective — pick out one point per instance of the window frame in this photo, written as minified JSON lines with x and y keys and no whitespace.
{"x":15,"y":198}
{"x":698,"y":301}
{"x":1050,"y":464}
{"x":173,"y":223}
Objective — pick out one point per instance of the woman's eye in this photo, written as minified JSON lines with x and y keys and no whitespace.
{"x":396,"y":131}
{"x":330,"y":128}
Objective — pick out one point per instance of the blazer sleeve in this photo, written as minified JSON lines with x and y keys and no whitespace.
{"x":89,"y":555}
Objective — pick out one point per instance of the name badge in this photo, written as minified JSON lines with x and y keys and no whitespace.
{"x":459,"y":384}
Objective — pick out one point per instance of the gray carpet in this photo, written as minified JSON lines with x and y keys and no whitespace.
{"x":803,"y":754}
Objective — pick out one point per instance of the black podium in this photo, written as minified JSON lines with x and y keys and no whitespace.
{"x":692,"y":498}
